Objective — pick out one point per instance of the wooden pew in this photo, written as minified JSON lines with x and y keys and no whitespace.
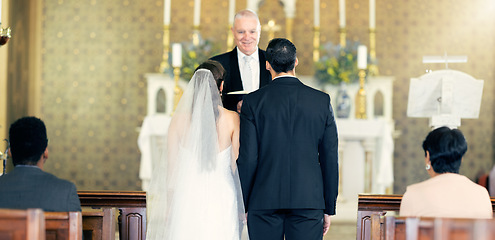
{"x":412,"y":228}
{"x":396,"y":228}
{"x":99,"y":224}
{"x":130,"y":204}
{"x":22,"y":224}
{"x":63,"y":225}
{"x":372,"y":206}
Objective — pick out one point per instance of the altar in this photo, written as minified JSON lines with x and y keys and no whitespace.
{"x":365,"y":145}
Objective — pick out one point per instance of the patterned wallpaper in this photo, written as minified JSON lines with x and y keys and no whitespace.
{"x":96,"y":52}
{"x":94,"y":56}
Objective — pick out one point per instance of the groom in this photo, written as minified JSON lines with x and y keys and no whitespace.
{"x":288,"y":162}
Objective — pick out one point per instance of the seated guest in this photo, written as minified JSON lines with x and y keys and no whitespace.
{"x":446,"y":193}
{"x":28,"y":186}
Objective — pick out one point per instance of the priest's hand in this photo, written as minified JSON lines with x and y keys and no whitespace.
{"x":239,"y":105}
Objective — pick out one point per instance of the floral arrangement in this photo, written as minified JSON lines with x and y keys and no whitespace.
{"x":337,"y":64}
{"x":194,"y":55}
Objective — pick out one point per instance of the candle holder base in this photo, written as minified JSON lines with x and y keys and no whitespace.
{"x":373,"y":70}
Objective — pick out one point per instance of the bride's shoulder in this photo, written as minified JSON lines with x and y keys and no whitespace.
{"x":230,"y":116}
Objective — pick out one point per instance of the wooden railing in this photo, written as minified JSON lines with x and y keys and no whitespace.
{"x":131,"y":206}
{"x":373,"y":206}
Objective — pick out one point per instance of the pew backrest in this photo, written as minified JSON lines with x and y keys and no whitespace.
{"x":377,"y":204}
{"x":131,"y":207}
{"x":99,"y":223}
{"x":63,"y":225}
{"x":426,"y":228}
{"x":22,"y":224}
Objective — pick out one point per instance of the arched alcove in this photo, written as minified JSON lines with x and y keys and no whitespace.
{"x":161,"y":101}
{"x":378,"y":104}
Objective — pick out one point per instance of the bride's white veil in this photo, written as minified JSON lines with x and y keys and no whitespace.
{"x":191,"y":150}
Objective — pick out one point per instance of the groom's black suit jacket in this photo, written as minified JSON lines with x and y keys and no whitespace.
{"x":232,"y":81}
{"x":288,"y":156}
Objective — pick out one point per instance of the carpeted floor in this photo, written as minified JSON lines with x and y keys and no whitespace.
{"x":341,"y":231}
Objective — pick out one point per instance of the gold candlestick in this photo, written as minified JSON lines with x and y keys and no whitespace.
{"x":361,"y":97}
{"x":195,"y":36}
{"x":289,"y":22}
{"x":316,"y":44}
{"x":271,"y":27}
{"x":230,"y":39}
{"x":166,"y":48}
{"x":373,"y":68}
{"x":177,"y":90}
{"x":342,"y":34}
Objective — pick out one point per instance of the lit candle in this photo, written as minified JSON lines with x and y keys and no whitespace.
{"x":317,"y":12}
{"x":197,"y":12}
{"x":251,"y":4}
{"x":342,"y":13}
{"x":372,"y":14}
{"x":176,"y":55}
{"x":166,"y":12}
{"x":231,"y":10}
{"x":362,"y":55}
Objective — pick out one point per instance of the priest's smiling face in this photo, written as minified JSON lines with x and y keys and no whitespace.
{"x":246,"y":31}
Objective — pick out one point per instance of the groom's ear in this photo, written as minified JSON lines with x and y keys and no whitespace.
{"x":268,"y":66}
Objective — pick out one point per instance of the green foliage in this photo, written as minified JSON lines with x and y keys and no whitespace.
{"x":337,"y":64}
{"x":193,"y":56}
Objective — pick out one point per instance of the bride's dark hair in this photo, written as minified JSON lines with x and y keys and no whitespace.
{"x":215,"y":68}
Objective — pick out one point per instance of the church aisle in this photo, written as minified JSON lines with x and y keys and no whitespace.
{"x":341,"y":231}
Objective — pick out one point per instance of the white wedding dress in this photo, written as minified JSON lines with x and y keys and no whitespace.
{"x":194,"y":191}
{"x":205,"y":204}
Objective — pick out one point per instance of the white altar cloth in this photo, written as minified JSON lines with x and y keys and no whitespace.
{"x":376,"y":139}
{"x":151,"y":141}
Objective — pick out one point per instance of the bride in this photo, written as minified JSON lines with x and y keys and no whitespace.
{"x":195,"y":190}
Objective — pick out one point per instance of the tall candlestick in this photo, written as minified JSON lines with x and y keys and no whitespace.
{"x":361,"y":97}
{"x":316,"y":44}
{"x":372,"y":14}
{"x":164,"y":65}
{"x":372,"y":68}
{"x":197,"y":12}
{"x":317,"y":13}
{"x":176,"y":55}
{"x":362,"y":55}
{"x":166,"y":12}
{"x":342,"y":13}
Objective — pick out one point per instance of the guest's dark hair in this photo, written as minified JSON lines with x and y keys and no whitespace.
{"x":215,"y":68}
{"x":446,"y":147}
{"x":28,"y":141}
{"x":281,"y":54}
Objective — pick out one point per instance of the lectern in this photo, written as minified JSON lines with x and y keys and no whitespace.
{"x":445,"y":96}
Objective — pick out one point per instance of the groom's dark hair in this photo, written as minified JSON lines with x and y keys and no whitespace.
{"x":281,"y":54}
